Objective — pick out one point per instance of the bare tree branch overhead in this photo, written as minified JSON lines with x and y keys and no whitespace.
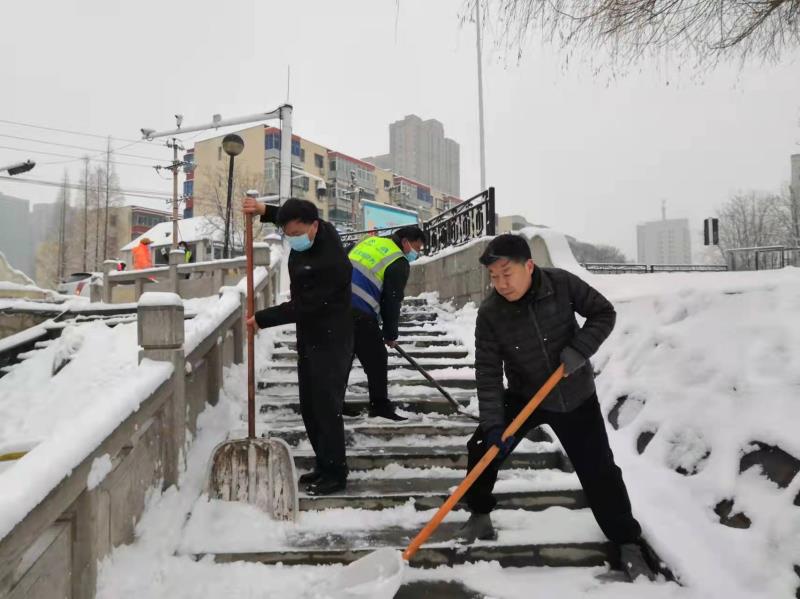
{"x":703,"y":31}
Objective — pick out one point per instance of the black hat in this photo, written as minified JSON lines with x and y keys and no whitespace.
{"x":506,"y":246}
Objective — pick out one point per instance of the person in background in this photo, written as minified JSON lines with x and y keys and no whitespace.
{"x":381,"y":266}
{"x":319,"y":277}
{"x":142,"y":258}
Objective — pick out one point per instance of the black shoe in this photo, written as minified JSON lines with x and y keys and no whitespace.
{"x":309,"y":477}
{"x":479,"y":526}
{"x":387,"y":413}
{"x":350,"y":410}
{"x":327,"y":485}
{"x":634,"y":563}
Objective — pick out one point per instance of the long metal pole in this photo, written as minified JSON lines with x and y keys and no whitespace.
{"x":480,"y":93}
{"x":226,"y":249}
{"x":285,"y":186}
{"x":85,"y":208}
{"x":108,"y":178}
{"x":174,"y":194}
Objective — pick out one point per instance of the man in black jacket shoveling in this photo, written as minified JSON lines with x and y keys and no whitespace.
{"x":319,"y":274}
{"x":381,"y":266}
{"x":527,"y":327}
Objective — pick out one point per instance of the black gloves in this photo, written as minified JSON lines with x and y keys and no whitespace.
{"x":572,"y":360}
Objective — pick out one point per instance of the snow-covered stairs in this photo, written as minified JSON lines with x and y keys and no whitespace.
{"x":402,"y":471}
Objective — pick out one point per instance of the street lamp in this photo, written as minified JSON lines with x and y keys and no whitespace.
{"x":19,"y":168}
{"x":233,"y":146}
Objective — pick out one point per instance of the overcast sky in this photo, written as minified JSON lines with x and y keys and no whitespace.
{"x":589,"y":155}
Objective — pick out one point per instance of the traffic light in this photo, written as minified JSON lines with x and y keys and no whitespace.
{"x":711,"y":231}
{"x":22,"y":167}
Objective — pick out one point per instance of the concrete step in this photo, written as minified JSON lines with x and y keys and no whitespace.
{"x":372,"y":429}
{"x":336,"y":547}
{"x":287,"y":343}
{"x":445,"y":380}
{"x":417,"y":405}
{"x":289,"y":366}
{"x":436,"y":589}
{"x":418,"y":316}
{"x":430,"y":493}
{"x":415,"y":302}
{"x":434,"y":353}
{"x":433,"y":457}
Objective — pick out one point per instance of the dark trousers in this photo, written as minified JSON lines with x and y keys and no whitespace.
{"x":369,"y":348}
{"x":582,"y":432}
{"x":323,"y":363}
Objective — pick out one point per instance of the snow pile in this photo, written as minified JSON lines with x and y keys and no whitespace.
{"x":64,"y":417}
{"x":709,"y":364}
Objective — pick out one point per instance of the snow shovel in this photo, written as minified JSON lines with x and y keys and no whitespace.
{"x":379,"y":574}
{"x":434,"y":382}
{"x":257,"y":471}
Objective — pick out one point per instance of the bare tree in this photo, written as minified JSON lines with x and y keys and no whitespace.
{"x":217,"y":196}
{"x":706,"y":31}
{"x":752,"y":219}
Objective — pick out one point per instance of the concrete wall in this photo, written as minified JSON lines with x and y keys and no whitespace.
{"x":54,"y":552}
{"x":459,"y":277}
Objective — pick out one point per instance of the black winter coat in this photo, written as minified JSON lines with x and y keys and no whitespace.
{"x":526,"y":338}
{"x":319,"y":284}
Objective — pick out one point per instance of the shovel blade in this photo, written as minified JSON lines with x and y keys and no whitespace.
{"x":377,"y":575}
{"x":260,"y":472}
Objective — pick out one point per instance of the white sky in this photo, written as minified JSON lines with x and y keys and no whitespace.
{"x":591,"y":156}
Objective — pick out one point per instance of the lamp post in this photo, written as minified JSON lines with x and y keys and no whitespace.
{"x":233,"y":146}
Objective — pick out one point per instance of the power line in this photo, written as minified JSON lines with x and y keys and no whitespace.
{"x":72,"y":158}
{"x":53,"y":143}
{"x":140,"y":193}
{"x":133,"y":141}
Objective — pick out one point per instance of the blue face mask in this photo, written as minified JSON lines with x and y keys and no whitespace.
{"x":411,"y":255}
{"x":300,"y":243}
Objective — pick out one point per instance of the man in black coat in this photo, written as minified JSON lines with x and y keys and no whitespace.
{"x":527,"y":328}
{"x":376,"y":312}
{"x":319,"y":274}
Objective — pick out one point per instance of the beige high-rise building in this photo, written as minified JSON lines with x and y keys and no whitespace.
{"x":666,"y":241}
{"x":419,"y":150}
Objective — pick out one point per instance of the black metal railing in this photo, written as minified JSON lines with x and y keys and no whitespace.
{"x":762,"y":258}
{"x":471,"y":219}
{"x":623,"y":268}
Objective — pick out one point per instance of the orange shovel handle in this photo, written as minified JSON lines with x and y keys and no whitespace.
{"x":487,"y":458}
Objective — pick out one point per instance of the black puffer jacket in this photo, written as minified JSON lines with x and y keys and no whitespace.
{"x":319,"y":285}
{"x":526,"y":338}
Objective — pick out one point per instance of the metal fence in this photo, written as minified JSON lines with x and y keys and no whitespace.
{"x":468,"y":220}
{"x":762,"y":258}
{"x":623,"y":268}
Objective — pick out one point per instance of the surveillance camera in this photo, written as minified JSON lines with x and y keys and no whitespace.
{"x":147,"y":133}
{"x":216,"y":119}
{"x":179,"y":120}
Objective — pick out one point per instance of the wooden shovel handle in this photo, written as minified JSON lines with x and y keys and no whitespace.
{"x":251,"y":360}
{"x":487,"y":458}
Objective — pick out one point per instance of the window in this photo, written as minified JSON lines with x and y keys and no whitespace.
{"x":333,"y":165}
{"x":302,"y":155}
{"x":112,"y":220}
{"x":296,"y":147}
{"x":319,"y":161}
{"x":272,"y":141}
{"x":304,"y":182}
{"x":188,"y":188}
{"x":386,"y":184}
{"x":219,"y":153}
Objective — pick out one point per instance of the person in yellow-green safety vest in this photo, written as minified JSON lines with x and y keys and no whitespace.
{"x":380,"y":273}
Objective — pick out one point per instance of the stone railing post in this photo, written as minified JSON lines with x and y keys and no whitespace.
{"x":160,"y":328}
{"x":109,"y":266}
{"x":175,"y":258}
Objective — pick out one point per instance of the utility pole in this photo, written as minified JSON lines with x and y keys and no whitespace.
{"x":108,"y":175}
{"x":62,"y":249}
{"x":85,"y":207}
{"x":97,"y":225}
{"x":480,"y":93}
{"x":174,"y":168}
